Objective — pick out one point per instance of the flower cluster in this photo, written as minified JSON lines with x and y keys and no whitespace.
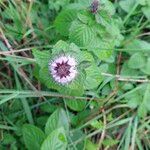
{"x":63,"y":69}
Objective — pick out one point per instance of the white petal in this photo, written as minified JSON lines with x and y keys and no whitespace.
{"x":68,"y":78}
{"x":71,"y":61}
{"x":65,"y":59}
{"x":64,"y":80}
{"x":59,"y":60}
{"x":53,"y":71}
{"x":53,"y":65}
{"x":72,"y":75}
{"x":56,"y":78}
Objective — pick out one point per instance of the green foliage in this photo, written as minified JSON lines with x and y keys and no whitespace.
{"x":106,"y":105}
{"x":56,"y":120}
{"x":55,"y":141}
{"x":33,"y":137}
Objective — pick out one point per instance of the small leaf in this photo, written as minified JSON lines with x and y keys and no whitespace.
{"x":56,"y":120}
{"x":33,"y":137}
{"x":137,"y":61}
{"x":63,"y":21}
{"x":55,"y":141}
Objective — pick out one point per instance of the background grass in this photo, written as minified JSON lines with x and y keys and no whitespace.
{"x":116,"y":116}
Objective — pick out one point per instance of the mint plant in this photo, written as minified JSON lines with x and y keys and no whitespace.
{"x":74,"y":75}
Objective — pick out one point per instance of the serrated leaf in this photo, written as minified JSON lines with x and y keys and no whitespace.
{"x":81,"y":34}
{"x":56,"y":120}
{"x":59,"y":47}
{"x":137,"y":61}
{"x":63,"y":21}
{"x":33,"y":137}
{"x":55,"y":141}
{"x":75,"y":89}
{"x":46,"y":78}
{"x":93,"y":77}
{"x":42,"y":57}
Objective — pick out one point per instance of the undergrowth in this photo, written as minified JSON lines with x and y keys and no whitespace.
{"x":74,"y":74}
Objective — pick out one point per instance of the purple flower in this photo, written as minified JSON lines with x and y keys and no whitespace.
{"x":94,"y":6}
{"x":63,"y":69}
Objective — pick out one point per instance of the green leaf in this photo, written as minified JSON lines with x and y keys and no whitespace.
{"x":55,"y":141}
{"x":137,"y":61}
{"x":138,"y":45}
{"x":126,"y":71}
{"x":110,"y":142}
{"x":90,"y":145}
{"x":146,"y":99}
{"x":63,"y":21}
{"x":46,"y":78}
{"x":33,"y":137}
{"x":56,"y":120}
{"x":42,"y":57}
{"x":81,"y":34}
{"x":102,"y":54}
{"x":127,"y":5}
{"x":76,"y":104}
{"x":146,"y":11}
{"x":93,"y":77}
{"x":75,"y":89}
{"x":142,"y":111}
{"x":134,"y":99}
{"x":146,"y":68}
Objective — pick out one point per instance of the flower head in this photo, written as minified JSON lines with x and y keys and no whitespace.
{"x":63,"y":69}
{"x":94,"y":6}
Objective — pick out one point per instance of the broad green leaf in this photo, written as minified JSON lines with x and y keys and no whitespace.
{"x":93,"y":77}
{"x":81,"y":34}
{"x":146,"y":11}
{"x":62,"y":47}
{"x":134,"y":99}
{"x":46,"y":78}
{"x":56,"y":120}
{"x":126,"y":71}
{"x":137,"y":61}
{"x":42,"y":57}
{"x":76,"y":104}
{"x":75,"y":89}
{"x":33,"y":137}
{"x":102,"y":54}
{"x":139,"y":46}
{"x":55,"y":141}
{"x":127,"y":5}
{"x":146,"y":68}
{"x":63,"y":21}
